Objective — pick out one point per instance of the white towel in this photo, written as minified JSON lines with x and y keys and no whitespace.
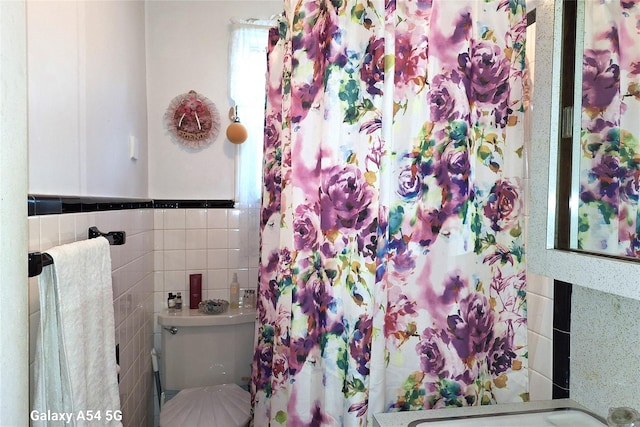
{"x":75,"y":366}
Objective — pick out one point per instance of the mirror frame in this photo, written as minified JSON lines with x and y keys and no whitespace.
{"x":615,"y":276}
{"x":569,"y":150}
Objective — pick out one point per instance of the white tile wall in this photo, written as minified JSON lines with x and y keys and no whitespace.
{"x":540,"y":336}
{"x":132,"y":277}
{"x":213,"y":242}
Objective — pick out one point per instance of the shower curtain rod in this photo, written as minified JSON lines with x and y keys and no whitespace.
{"x":38,"y":260}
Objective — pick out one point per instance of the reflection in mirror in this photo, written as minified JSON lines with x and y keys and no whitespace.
{"x":599,"y":152}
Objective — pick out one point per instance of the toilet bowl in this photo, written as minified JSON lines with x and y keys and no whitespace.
{"x":207,"y":358}
{"x":225,"y":405}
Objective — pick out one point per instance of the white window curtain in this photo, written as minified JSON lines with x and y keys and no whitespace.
{"x":247,"y":73}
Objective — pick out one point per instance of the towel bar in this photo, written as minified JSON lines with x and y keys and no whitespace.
{"x":38,"y":260}
{"x":114,"y":237}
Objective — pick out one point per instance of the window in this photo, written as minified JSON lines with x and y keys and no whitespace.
{"x":247,"y":74}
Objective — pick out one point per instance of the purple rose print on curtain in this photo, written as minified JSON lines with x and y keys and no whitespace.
{"x":372,"y":71}
{"x":305,"y":228}
{"x":446,"y":98}
{"x":504,"y":205}
{"x":345,"y":200}
{"x":471,"y":328}
{"x":432,"y":353}
{"x":487,"y":71}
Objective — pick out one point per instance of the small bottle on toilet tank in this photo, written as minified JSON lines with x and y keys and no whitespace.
{"x":234,"y":292}
{"x":171,"y":303}
{"x":179,"y":301}
{"x":246,"y":299}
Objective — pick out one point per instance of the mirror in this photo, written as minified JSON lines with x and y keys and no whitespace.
{"x":599,"y":150}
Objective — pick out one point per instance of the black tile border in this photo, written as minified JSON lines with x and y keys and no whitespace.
{"x":559,"y":393}
{"x":531,"y":17}
{"x":193,"y":204}
{"x":561,"y":339}
{"x":55,"y":205}
{"x":562,"y":306}
{"x":561,"y":349}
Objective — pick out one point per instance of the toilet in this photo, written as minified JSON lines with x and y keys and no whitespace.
{"x":207,"y":360}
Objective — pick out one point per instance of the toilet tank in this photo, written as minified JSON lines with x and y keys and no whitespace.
{"x":206,"y":349}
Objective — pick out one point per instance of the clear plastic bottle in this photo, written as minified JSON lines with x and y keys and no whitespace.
{"x":234,"y":292}
{"x":247,"y":300}
{"x":253,"y":298}
{"x":179,"y":301}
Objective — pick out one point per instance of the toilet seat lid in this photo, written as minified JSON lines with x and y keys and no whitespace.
{"x":217,"y":405}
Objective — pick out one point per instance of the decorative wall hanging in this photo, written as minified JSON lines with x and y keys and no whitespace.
{"x":193,"y":120}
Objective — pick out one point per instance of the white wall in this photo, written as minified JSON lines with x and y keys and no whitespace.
{"x":87,"y":96}
{"x":14,"y":390}
{"x":95,"y":67}
{"x":187,"y":50}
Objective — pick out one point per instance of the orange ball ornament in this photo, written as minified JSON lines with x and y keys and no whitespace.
{"x":237,"y":133}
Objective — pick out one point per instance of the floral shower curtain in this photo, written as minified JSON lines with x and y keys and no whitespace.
{"x":392,"y":269}
{"x":609,"y":160}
